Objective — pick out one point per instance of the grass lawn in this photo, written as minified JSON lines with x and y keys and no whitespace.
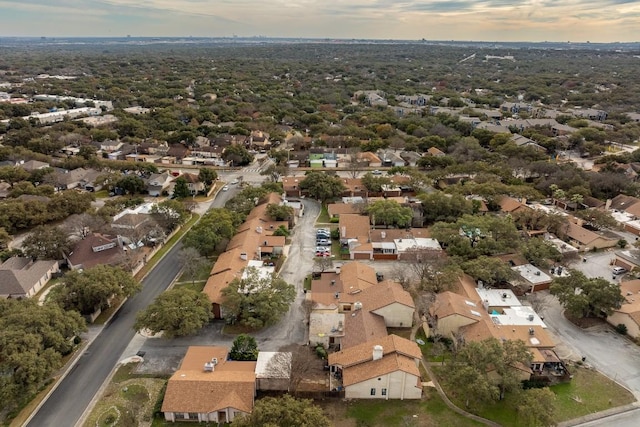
{"x":323,"y":218}
{"x":102,"y":194}
{"x":307,"y":282}
{"x":588,"y":392}
{"x":427,"y":412}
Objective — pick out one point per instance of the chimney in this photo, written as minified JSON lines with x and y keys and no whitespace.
{"x":243,"y":256}
{"x":209,"y":367}
{"x":383,"y":234}
{"x":377,"y":352}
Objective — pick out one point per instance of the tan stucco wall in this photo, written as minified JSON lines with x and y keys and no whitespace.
{"x":451,"y":324}
{"x":633,"y":329}
{"x":399,"y":385}
{"x":396,"y":315}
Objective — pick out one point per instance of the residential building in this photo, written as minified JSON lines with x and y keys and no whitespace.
{"x":628,"y":314}
{"x":354,"y":235}
{"x":23,"y":278}
{"x":531,"y":278}
{"x":160,"y":183}
{"x":381,"y":368}
{"x":209,"y":388}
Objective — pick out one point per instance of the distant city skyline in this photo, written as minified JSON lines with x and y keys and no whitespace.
{"x":484,"y":20}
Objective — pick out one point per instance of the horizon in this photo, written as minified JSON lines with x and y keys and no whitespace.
{"x":534,"y":21}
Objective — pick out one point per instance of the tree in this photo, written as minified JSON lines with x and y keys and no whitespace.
{"x":536,"y":407}
{"x":244,"y":347}
{"x":5,"y":238}
{"x":215,"y":227}
{"x":191,"y":261}
{"x":177,"y":312}
{"x":490,"y":270}
{"x":374,"y":184}
{"x":279,"y":212}
{"x":181,"y":189}
{"x":322,"y":186}
{"x":91,"y":290}
{"x":596,"y":218}
{"x":283,"y":411}
{"x":438,"y":206}
{"x":255,"y":301}
{"x":390,"y":212}
{"x":13,"y":174}
{"x":472,"y":385}
{"x":585,"y":297}
{"x":539,"y":251}
{"x":208,"y":176}
{"x":237,"y":155}
{"x":33,"y":339}
{"x":170,"y":214}
{"x":433,"y":271}
{"x":131,"y":184}
{"x":46,"y":242}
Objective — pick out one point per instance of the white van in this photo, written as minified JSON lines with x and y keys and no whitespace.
{"x":619,"y":270}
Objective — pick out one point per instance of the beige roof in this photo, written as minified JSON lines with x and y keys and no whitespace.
{"x":396,"y":233}
{"x":449,"y":304}
{"x":357,"y":276}
{"x":191,"y":389}
{"x":582,"y":235}
{"x":368,"y":156}
{"x":509,"y":204}
{"x":343,"y":208}
{"x":384,"y":294}
{"x":353,"y":226}
{"x":435,"y":151}
{"x":485,"y":329}
{"x":361,"y":326}
{"x":20,"y":275}
{"x":630,"y":290}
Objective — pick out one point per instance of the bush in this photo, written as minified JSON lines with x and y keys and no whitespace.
{"x":335,"y":234}
{"x":621,"y":329}
{"x":321,"y":352}
{"x":334,"y":220}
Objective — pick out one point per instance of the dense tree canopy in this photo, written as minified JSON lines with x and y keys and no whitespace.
{"x":33,"y":339}
{"x":584,"y":297}
{"x":255,"y":301}
{"x":176,"y":312}
{"x":215,"y":228}
{"x":322,"y":186}
{"x":89,"y":290}
{"x":47,"y":243}
{"x":390,"y":212}
{"x":283,"y":411}
{"x":244,"y":347}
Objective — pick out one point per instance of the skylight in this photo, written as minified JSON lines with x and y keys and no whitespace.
{"x":470,"y":303}
{"x":475,"y":313}
{"x":534,"y":341}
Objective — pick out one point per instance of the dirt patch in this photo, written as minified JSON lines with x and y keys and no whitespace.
{"x":585,"y":322}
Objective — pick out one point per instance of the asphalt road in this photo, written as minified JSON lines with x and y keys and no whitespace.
{"x":68,"y":402}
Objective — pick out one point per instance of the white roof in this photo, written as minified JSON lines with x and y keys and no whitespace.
{"x":532,"y":274}
{"x":561,"y":246}
{"x":498,"y":297}
{"x":282,"y":368}
{"x":518,"y":316}
{"x":144,"y":209}
{"x":383,"y":245}
{"x":621,"y":217}
{"x":356,"y":199}
{"x":416,"y":243}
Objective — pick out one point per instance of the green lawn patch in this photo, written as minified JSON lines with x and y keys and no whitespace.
{"x":323,"y":218}
{"x":307,"y":282}
{"x":588,"y":392}
{"x":102,"y":194}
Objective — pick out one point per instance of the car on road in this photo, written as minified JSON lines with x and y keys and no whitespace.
{"x":234,"y":182}
{"x":225,"y":188}
{"x":376,"y":172}
{"x":619,"y":270}
{"x":323,"y":242}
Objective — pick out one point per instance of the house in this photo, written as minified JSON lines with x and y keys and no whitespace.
{"x":160,"y":183}
{"x":179,"y":151}
{"x":628,"y":313}
{"x":95,"y":249}
{"x":90,"y":181}
{"x":193,"y":183}
{"x":337,"y":209}
{"x":259,"y":140}
{"x":586,"y":240}
{"x":209,"y":388}
{"x":254,"y":244}
{"x":410,"y":158}
{"x":523,"y":141}
{"x":32,"y":165}
{"x":68,"y":179}
{"x":23,"y":278}
{"x":381,"y":368}
{"x":532,"y":278}
{"x":477,"y":314}
{"x":510,"y":205}
{"x":354,"y":235}
{"x":390,"y":158}
{"x":436,"y":152}
{"x":369,"y":159}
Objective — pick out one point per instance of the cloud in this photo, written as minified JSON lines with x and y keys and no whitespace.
{"x":402,"y":19}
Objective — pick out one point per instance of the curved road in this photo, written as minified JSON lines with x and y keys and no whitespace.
{"x":67,"y":403}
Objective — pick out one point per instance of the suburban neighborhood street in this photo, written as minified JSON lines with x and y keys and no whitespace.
{"x":67,"y":403}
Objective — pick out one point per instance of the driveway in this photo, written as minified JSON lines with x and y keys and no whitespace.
{"x":164,"y":356}
{"x":603,"y":348}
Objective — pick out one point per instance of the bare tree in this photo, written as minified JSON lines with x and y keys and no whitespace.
{"x":356,"y":164}
{"x":322,"y":264}
{"x":432,"y":270}
{"x":192,"y":262}
{"x":80,"y":225}
{"x":303,"y":360}
{"x":279,"y":367}
{"x":538,"y":301}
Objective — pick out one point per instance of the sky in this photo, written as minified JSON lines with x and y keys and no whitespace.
{"x":478,"y":20}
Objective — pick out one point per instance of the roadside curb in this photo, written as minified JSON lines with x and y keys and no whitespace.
{"x":600,"y":415}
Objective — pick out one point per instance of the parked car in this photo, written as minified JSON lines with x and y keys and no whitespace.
{"x":323,"y":253}
{"x":322,"y":249}
{"x":619,"y":270}
{"x":376,"y":172}
{"x":323,"y":230}
{"x":323,"y":242}
{"x":323,"y":236}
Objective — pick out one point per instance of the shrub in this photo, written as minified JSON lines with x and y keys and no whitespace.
{"x":621,"y":329}
{"x":321,"y":352}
